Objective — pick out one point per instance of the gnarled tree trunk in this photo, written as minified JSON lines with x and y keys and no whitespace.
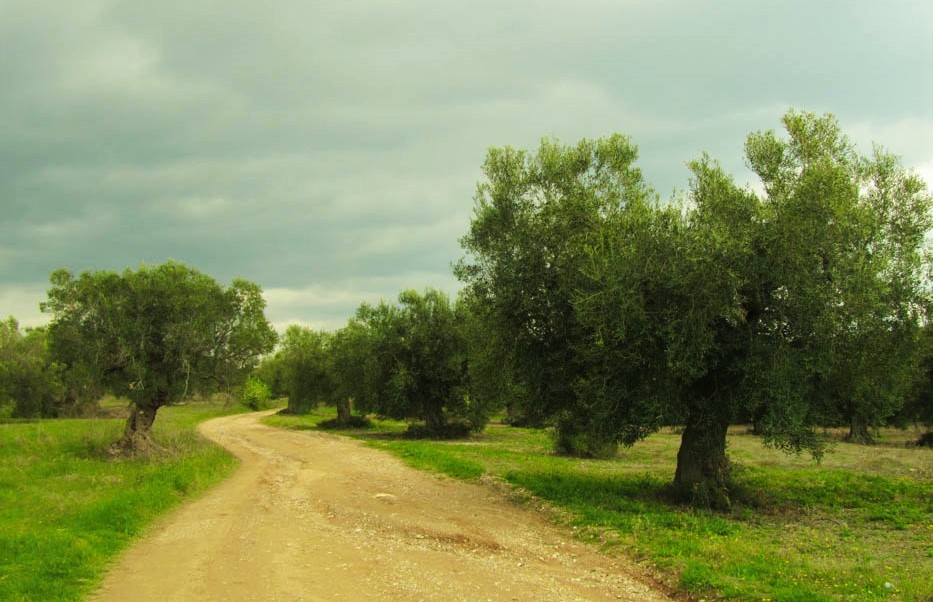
{"x":137,"y":436}
{"x":703,"y":477}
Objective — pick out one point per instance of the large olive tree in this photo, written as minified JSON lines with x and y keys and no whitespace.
{"x":157,"y":333}
{"x":794,"y":306}
{"x":536,"y":214}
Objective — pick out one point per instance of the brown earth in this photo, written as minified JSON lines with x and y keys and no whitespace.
{"x":311,"y":516}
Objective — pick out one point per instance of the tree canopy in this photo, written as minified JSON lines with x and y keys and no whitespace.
{"x":536,"y":215}
{"x":304,"y":363}
{"x":415,"y":364}
{"x":31,"y":383}
{"x":623,"y":314}
{"x":157,"y":333}
{"x":590,"y":305}
{"x":404,"y":360}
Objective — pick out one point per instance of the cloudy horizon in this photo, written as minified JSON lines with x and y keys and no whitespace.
{"x":329,"y":151}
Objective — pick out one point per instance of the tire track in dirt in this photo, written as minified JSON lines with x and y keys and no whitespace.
{"x":310,"y":516}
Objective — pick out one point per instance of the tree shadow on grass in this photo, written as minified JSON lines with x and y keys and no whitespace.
{"x":415,"y":432}
{"x":614,"y":493}
{"x":622,"y":501}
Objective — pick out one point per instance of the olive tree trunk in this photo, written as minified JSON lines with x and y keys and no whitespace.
{"x":703,"y":477}
{"x":137,"y":435}
{"x":434,"y":418}
{"x":859,"y":433}
{"x":344,"y":411}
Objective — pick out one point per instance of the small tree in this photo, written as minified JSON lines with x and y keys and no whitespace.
{"x":254,"y":394}
{"x":271,"y":371}
{"x":918,"y":410}
{"x":491,"y":379}
{"x":352,"y":368}
{"x":304,"y":357}
{"x":156,"y":333}
{"x":415,"y":364}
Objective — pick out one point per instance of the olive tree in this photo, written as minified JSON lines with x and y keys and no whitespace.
{"x":527,"y":247}
{"x":354,"y":369}
{"x":625,"y":314}
{"x":788,"y":305}
{"x":414,"y":362}
{"x":304,"y":360}
{"x":156,"y":333}
{"x":919,"y":407}
{"x":492,"y":382}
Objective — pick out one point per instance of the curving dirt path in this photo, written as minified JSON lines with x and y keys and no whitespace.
{"x":310,"y":516}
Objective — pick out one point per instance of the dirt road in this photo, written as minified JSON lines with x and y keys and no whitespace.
{"x":310,"y":516}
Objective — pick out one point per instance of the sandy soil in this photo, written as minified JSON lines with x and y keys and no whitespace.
{"x":310,"y":516}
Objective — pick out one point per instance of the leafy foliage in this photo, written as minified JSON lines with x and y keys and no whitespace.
{"x":415,"y":364}
{"x":535,"y":219}
{"x":255,"y":394}
{"x":304,"y":364}
{"x":619,"y":314}
{"x":155,"y":334}
{"x":30,"y":381}
{"x":919,"y":407}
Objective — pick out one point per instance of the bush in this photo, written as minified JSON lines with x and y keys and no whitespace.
{"x":255,"y":394}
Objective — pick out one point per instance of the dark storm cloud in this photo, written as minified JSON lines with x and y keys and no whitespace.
{"x":329,"y":150}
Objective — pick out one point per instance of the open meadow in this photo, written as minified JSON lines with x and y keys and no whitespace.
{"x":67,"y":507}
{"x":858,"y":526}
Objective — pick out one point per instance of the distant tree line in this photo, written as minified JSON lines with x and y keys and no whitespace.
{"x":405,"y":360}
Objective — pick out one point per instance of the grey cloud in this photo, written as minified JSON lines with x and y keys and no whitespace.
{"x":337,"y":145}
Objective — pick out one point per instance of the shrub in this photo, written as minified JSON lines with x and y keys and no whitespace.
{"x":255,"y":394}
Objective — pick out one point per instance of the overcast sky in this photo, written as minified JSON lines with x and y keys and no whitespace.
{"x":329,"y":151}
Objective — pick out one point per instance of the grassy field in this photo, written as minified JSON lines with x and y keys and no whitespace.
{"x":859,"y":526}
{"x":66,"y":508}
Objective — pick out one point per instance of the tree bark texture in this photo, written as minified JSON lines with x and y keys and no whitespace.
{"x":137,"y":435}
{"x":703,"y":477}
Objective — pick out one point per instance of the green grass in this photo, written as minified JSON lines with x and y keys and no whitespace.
{"x":844,"y":529}
{"x":66,"y":508}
